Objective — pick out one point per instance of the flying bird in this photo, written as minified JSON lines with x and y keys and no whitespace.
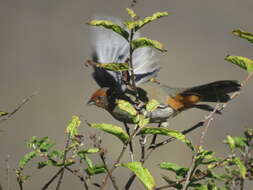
{"x":109,"y":47}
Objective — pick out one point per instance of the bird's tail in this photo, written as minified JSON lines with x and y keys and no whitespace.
{"x":214,"y":92}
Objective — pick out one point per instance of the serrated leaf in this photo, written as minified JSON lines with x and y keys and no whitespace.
{"x":97,"y":169}
{"x":149,"y":19}
{"x":167,"y":132}
{"x":111,"y":129}
{"x":26,"y":158}
{"x":152,"y":105}
{"x":142,"y":173}
{"x":230,"y":141}
{"x":131,"y":13}
{"x":110,"y":25}
{"x":2,"y":113}
{"x":73,"y":125}
{"x":243,"y":62}
{"x":115,"y":66}
{"x":179,"y":170}
{"x":241,"y":166}
{"x":145,"y":42}
{"x":246,"y":35}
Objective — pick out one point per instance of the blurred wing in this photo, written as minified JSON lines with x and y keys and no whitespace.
{"x":109,"y":47}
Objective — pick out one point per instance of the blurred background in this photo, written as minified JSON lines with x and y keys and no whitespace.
{"x":43,"y":45}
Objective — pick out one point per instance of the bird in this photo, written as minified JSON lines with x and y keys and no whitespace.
{"x":109,"y":47}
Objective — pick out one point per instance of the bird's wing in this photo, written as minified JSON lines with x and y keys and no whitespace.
{"x":109,"y":47}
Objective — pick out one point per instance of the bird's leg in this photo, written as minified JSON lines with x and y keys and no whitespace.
{"x":130,"y":143}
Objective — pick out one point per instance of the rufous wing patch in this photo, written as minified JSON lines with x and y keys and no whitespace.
{"x":180,"y":102}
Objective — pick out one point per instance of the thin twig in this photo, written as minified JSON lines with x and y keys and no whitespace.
{"x":86,"y":187}
{"x":207,"y":123}
{"x":8,"y":172}
{"x":102,"y":156}
{"x":143,"y":140}
{"x":119,"y":158}
{"x":63,"y":162}
{"x":52,"y":179}
{"x":130,"y":143}
{"x":196,"y":177}
{"x":154,"y":147}
{"x":18,"y":107}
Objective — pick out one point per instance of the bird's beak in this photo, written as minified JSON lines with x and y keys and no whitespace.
{"x":90,"y":102}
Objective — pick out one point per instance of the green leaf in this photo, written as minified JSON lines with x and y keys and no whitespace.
{"x":127,"y":111}
{"x":142,"y":173}
{"x":179,"y":170}
{"x":167,"y":132}
{"x":132,"y":25}
{"x":149,"y":19}
{"x":230,"y":141}
{"x":73,"y":125}
{"x":205,"y":157}
{"x":111,"y":26}
{"x":29,"y":156}
{"x":83,"y":155}
{"x":2,"y":113}
{"x":213,"y":175}
{"x":145,"y":42}
{"x":143,"y":121}
{"x":241,"y":166}
{"x":56,"y":154}
{"x":115,"y":66}
{"x":246,"y":35}
{"x":152,"y":105}
{"x":236,"y":142}
{"x":91,"y":150}
{"x":97,"y":169}
{"x":47,"y":163}
{"x":128,"y":107}
{"x":40,"y":144}
{"x":131,"y":13}
{"x":111,"y":129}
{"x":201,"y":187}
{"x":243,"y":62}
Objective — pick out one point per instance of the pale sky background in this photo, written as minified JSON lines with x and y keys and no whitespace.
{"x":44,"y":43}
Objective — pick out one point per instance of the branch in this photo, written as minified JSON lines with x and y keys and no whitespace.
{"x":52,"y":179}
{"x":63,"y":161}
{"x":102,"y":156}
{"x":119,"y":158}
{"x":86,"y":187}
{"x":23,"y":102}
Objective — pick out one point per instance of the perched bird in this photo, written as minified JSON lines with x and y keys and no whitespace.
{"x":109,"y":47}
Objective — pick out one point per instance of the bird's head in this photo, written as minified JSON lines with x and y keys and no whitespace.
{"x":99,"y":98}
